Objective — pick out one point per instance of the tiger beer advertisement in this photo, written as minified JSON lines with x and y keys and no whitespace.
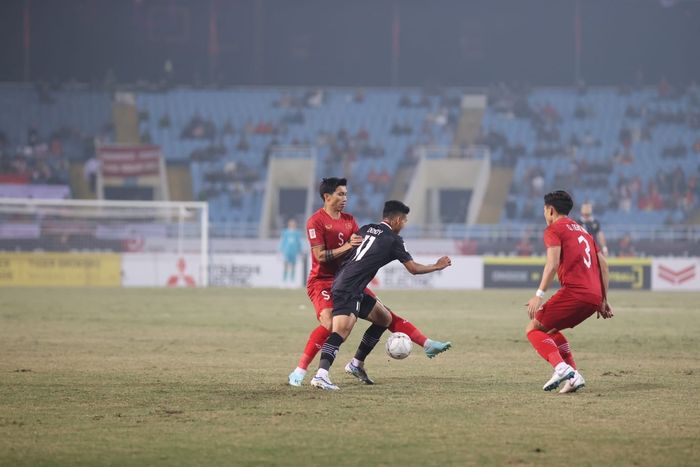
{"x":526,"y":272}
{"x":60,"y":269}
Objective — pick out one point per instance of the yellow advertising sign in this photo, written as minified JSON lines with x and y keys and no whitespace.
{"x":60,"y":269}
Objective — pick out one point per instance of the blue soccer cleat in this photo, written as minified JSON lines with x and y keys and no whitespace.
{"x":296,"y":377}
{"x":433,"y":348}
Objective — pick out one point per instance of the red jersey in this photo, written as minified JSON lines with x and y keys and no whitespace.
{"x":322,"y":229}
{"x":578,"y":271}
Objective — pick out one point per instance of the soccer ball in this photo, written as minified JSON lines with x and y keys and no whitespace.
{"x":398,"y":345}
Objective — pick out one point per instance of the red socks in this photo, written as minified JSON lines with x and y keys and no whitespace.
{"x":320,"y":334}
{"x":398,"y":324}
{"x":316,"y":340}
{"x":564,"y":348}
{"x":545,"y":346}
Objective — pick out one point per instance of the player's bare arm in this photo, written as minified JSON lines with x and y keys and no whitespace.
{"x":418,"y":268}
{"x":324,"y":255}
{"x":550,"y":268}
{"x":603,"y":243}
{"x":606,"y":310}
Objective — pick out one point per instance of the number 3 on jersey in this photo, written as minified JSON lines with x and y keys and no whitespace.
{"x":364,"y":246}
{"x":587,"y":260}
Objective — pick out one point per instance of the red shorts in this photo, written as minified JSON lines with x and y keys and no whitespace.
{"x":319,"y":292}
{"x":565,"y":310}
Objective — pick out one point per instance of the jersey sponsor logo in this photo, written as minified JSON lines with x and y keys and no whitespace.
{"x":676,"y":277}
{"x":312,"y":233}
{"x":329,"y":226}
{"x":348,"y":225}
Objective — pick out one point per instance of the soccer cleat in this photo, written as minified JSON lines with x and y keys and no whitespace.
{"x":573,"y":384}
{"x":296,"y":378}
{"x":436,"y":347}
{"x":561,"y":373}
{"x":358,"y":372}
{"x":323,"y":383}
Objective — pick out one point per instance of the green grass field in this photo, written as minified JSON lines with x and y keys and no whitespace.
{"x":198,"y":377}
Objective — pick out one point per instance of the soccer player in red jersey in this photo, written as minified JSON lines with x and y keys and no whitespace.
{"x":330,"y":233}
{"x":583,"y":273}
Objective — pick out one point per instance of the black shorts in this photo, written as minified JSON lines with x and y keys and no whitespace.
{"x":359,"y":305}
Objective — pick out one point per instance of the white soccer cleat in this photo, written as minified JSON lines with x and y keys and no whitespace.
{"x":573,"y":384}
{"x":561,"y":373}
{"x":323,"y":383}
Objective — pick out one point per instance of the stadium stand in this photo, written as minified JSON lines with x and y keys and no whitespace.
{"x":228,"y":137}
{"x":44,"y":130}
{"x":633,"y":152}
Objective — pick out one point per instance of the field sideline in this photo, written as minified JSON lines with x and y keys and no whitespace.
{"x":198,"y":377}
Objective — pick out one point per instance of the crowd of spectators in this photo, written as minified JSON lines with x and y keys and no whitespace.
{"x":340,"y":149}
{"x":672,"y":191}
{"x":37,"y":160}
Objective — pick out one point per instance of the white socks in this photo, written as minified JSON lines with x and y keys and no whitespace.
{"x":358,"y":363}
{"x":321,"y":373}
{"x":561,"y":368}
{"x":300,"y":371}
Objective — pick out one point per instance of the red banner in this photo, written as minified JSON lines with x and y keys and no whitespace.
{"x":129,"y":161}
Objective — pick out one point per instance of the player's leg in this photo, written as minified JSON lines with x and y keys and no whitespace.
{"x":564,"y":348}
{"x":430,"y":347}
{"x":320,"y":296}
{"x":543,"y":343}
{"x":343,"y":321}
{"x":561,"y":311}
{"x":398,"y":324}
{"x":580,"y":311}
{"x":373,"y":311}
{"x":290,"y":267}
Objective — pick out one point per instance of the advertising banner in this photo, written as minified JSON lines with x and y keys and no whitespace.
{"x":129,"y":161}
{"x":526,"y":272}
{"x":225,"y":270}
{"x":248,"y":270}
{"x":60,"y":269}
{"x":465,"y":273}
{"x":34,"y":191}
{"x":160,"y":270}
{"x":676,"y":274}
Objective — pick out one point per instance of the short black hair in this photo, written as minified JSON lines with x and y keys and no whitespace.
{"x":329,"y":185}
{"x":559,"y":200}
{"x":393,"y":208}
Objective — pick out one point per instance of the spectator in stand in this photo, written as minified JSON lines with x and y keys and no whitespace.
{"x":359,"y":96}
{"x":362,"y":135}
{"x":164,"y":121}
{"x":264,"y":128}
{"x":652,"y":201}
{"x":625,"y":248}
{"x":525,"y":247}
{"x":243,"y":144}
{"x":228,"y":129}
{"x":90,"y":170}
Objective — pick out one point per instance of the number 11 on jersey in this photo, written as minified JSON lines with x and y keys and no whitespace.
{"x":364,"y":246}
